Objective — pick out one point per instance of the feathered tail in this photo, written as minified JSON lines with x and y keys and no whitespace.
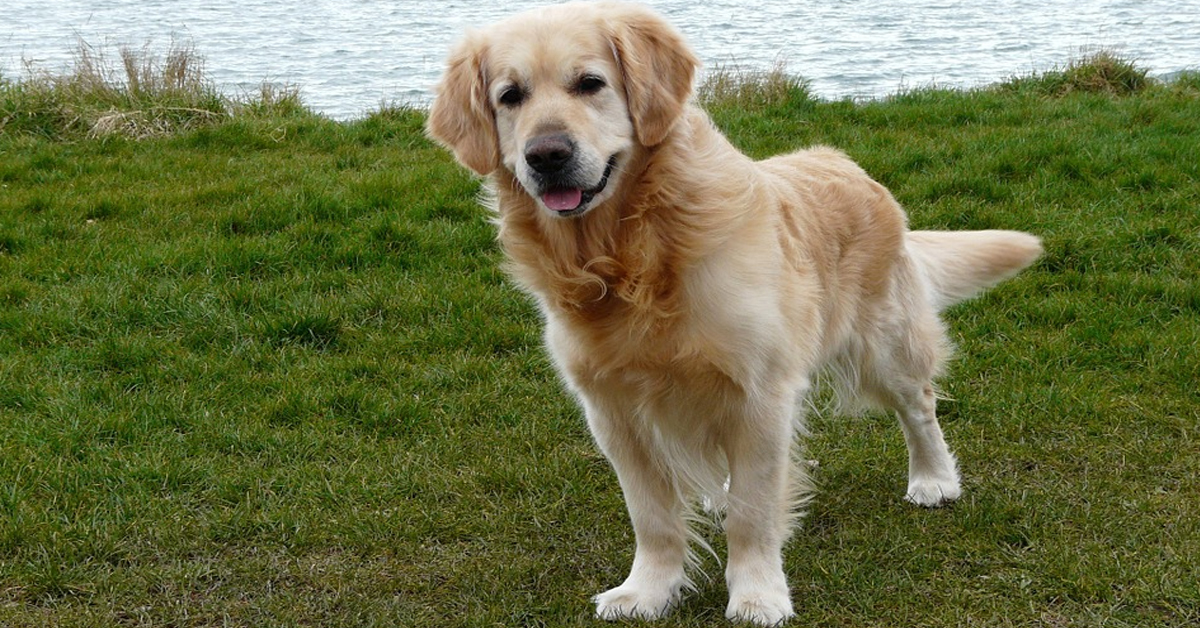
{"x":961,"y":264}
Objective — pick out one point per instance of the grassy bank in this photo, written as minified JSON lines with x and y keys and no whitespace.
{"x":258,"y":368}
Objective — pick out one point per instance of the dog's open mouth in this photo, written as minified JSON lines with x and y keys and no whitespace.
{"x":575,"y":201}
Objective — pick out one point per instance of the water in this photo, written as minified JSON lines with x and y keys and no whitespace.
{"x":352,"y":56}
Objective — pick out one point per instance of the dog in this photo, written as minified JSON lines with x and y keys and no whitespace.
{"x":691,"y":296}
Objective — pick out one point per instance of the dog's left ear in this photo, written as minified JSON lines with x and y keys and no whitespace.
{"x":658,"y":68}
{"x":461,"y":118}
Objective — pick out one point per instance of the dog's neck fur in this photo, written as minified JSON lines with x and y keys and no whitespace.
{"x":630,"y":252}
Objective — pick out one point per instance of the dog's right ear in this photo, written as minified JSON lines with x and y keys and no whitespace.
{"x":461,"y":117}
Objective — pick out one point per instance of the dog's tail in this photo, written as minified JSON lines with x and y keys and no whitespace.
{"x":961,"y":264}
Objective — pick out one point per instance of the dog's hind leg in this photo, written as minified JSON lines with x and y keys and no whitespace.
{"x":940,"y":268}
{"x":932,"y":470}
{"x":905,"y":363}
{"x":657,"y":579}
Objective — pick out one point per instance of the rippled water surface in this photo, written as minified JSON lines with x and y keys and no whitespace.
{"x":350,"y":56}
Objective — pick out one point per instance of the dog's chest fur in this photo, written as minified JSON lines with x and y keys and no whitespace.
{"x":628,"y":304}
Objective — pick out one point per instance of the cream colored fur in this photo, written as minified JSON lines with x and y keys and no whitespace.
{"x":690,"y":303}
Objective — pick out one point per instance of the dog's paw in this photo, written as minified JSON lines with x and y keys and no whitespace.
{"x":932,"y":493}
{"x":630,"y":602}
{"x":761,"y":609}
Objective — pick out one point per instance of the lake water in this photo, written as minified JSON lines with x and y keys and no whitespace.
{"x":348,"y":57}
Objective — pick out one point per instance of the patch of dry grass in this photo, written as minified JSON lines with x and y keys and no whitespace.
{"x":732,"y":86}
{"x":138,"y":93}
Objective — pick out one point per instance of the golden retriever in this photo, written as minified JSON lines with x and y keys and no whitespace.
{"x":690,"y":294}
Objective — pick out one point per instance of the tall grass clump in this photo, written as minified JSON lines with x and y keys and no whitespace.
{"x":1187,"y":81}
{"x":1103,"y":72}
{"x":734,"y":87}
{"x":270,"y":100}
{"x":140,"y":94}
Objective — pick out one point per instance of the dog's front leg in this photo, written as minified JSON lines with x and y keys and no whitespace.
{"x":757,"y":524}
{"x":657,"y":578}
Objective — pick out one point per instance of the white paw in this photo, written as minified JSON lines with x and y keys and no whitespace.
{"x":762,"y":609}
{"x":931,"y":492}
{"x":631,"y":602}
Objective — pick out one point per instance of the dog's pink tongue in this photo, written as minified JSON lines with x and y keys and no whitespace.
{"x":563,"y":200}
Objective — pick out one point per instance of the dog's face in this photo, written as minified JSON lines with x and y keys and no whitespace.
{"x":562,"y":98}
{"x":561,"y":116}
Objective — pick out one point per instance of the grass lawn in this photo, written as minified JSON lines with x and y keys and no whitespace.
{"x":259,"y":368}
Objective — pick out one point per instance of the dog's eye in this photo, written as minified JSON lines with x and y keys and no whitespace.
{"x":589,"y":84}
{"x":512,"y":96}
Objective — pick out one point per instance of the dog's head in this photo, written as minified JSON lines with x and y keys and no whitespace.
{"x":562,"y":97}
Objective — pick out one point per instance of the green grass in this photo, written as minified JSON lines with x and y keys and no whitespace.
{"x":264,"y":370}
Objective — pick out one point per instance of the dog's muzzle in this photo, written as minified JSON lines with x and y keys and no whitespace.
{"x":552,"y":158}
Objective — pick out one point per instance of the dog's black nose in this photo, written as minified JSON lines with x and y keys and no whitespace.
{"x":548,"y":154}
